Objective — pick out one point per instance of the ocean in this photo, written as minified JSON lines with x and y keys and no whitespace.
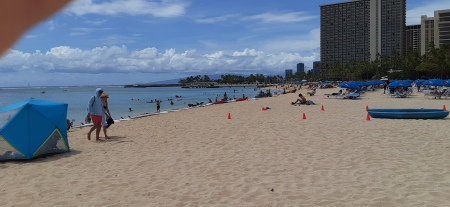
{"x":140,"y":100}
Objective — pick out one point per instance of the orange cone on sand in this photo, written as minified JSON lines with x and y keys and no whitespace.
{"x":304,"y":116}
{"x":322,"y":109}
{"x":263,"y":108}
{"x":368,"y":117}
{"x":445,"y":108}
{"x":367,"y":107}
{"x":229,"y":116}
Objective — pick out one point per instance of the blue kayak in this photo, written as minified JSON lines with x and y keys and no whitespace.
{"x":408,"y":113}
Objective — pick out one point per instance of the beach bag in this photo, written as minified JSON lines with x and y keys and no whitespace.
{"x":109,"y":121}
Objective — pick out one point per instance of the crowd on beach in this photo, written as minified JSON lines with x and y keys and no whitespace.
{"x":346,"y":91}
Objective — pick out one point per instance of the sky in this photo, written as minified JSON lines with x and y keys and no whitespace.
{"x":118,"y":42}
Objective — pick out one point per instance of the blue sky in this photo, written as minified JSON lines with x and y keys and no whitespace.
{"x":103,"y":42}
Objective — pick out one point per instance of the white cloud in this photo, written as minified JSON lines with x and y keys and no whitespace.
{"x":164,"y":8}
{"x":32,"y":36}
{"x":51,"y":25}
{"x":96,"y":22}
{"x":217,"y":19}
{"x":81,"y":31}
{"x":249,"y":52}
{"x":117,"y":40}
{"x":283,"y":18}
{"x":116,"y":59}
{"x":291,"y":17}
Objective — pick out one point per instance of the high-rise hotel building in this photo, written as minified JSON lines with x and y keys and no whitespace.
{"x":435,"y":30}
{"x":359,"y":30}
{"x":412,"y":38}
{"x":300,"y":67}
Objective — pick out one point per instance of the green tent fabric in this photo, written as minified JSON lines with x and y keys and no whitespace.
{"x":32,"y":128}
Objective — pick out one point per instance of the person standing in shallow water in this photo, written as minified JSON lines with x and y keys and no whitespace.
{"x":96,"y":112}
{"x":158,"y":105}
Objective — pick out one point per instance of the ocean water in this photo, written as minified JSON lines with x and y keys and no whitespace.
{"x":120,"y":98}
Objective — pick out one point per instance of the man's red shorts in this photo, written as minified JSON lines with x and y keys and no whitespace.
{"x":96,"y":119}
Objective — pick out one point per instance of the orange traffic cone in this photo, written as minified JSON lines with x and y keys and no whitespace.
{"x":304,"y":116}
{"x":229,"y":116}
{"x":368,"y":117}
{"x":322,"y":109}
{"x":263,"y":108}
{"x":445,"y":109}
{"x":367,"y":107}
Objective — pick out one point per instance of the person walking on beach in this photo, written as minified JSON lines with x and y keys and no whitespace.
{"x":386,"y":83}
{"x":96,"y":112}
{"x":107,"y":114}
{"x":158,"y":105}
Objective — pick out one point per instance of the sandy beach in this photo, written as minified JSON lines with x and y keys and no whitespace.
{"x":199,"y":157}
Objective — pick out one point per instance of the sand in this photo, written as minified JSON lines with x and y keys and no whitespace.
{"x":199,"y":157}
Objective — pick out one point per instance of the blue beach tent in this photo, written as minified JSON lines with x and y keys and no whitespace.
{"x":32,"y":128}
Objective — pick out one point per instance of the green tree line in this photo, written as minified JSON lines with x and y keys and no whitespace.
{"x":435,"y":63}
{"x":235,"y":79}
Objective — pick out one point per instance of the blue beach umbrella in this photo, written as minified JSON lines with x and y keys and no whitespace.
{"x":349,"y":85}
{"x":378,"y":82}
{"x":435,"y":82}
{"x":400,"y":83}
{"x":374,"y":82}
{"x":361,"y":84}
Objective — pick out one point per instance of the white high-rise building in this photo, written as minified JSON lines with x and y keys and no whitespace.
{"x":435,"y":30}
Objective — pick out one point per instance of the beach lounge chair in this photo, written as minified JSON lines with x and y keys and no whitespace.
{"x":431,"y":94}
{"x":445,"y":94}
{"x":334,"y":95}
{"x":437,"y":94}
{"x":400,"y":94}
{"x":352,"y":96}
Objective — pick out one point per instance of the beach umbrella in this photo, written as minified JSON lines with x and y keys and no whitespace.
{"x":349,"y":85}
{"x":378,"y":82}
{"x":361,"y":84}
{"x":401,"y":83}
{"x":374,"y":82}
{"x":435,"y":82}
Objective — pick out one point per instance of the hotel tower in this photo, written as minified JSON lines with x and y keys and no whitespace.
{"x":359,"y":30}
